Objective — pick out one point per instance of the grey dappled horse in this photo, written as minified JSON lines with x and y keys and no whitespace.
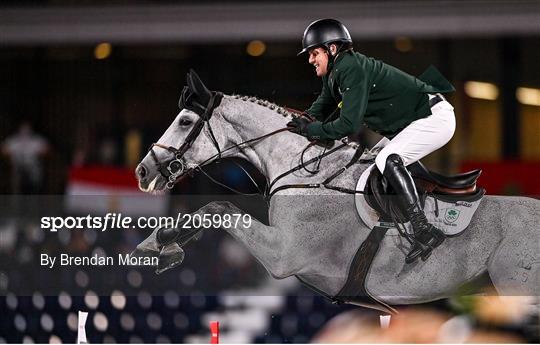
{"x":315,"y":233}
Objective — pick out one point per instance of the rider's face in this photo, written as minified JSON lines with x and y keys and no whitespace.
{"x":318,"y":57}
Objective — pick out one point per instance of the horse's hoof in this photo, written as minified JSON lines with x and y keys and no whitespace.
{"x":169,"y":257}
{"x":166,"y":236}
{"x":138,"y":253}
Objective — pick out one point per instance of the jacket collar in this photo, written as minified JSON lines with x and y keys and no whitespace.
{"x":336,"y":60}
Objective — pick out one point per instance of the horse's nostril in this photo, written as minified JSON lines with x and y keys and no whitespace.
{"x":141,"y":171}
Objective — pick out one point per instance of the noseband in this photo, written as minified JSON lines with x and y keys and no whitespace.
{"x":174,"y":168}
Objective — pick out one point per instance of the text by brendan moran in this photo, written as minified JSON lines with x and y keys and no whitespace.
{"x":51,"y":261}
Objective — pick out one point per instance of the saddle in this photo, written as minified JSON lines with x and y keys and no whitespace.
{"x":379,"y":194}
{"x":430,"y":181}
{"x":448,"y":201}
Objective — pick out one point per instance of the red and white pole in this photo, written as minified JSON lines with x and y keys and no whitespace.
{"x":214,"y":331}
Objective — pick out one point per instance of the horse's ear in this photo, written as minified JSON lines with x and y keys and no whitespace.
{"x":197,"y":86}
{"x":195,"y":96}
{"x":189,"y":80}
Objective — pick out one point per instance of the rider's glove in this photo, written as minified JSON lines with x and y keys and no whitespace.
{"x":299,"y":125}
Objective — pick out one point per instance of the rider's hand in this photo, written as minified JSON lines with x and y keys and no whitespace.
{"x":299,"y":125}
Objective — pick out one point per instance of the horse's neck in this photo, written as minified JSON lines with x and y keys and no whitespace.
{"x":272,"y":155}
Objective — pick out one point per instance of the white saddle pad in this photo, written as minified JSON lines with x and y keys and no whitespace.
{"x":451,"y":217}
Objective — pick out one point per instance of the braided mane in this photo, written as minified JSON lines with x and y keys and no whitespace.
{"x":267,"y":104}
{"x":283,"y":112}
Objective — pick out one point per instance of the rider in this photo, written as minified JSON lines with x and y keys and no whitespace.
{"x":409,"y":111}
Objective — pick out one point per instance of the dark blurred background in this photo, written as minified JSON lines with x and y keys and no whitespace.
{"x":100,"y":81}
{"x":87,"y":86}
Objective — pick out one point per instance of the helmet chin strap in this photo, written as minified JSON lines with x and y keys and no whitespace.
{"x":332,"y":57}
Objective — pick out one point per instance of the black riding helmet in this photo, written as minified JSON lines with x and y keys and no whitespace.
{"x":322,"y":32}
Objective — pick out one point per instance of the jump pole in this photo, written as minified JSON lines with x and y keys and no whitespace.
{"x":385,"y":321}
{"x":214,"y":332}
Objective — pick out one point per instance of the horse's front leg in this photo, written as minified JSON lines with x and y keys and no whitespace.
{"x":169,"y":254}
{"x":264,"y":242}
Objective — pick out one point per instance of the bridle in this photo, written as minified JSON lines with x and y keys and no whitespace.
{"x":176,"y":167}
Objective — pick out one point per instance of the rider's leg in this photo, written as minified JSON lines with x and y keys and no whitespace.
{"x":414,"y":142}
{"x":426,"y":235}
{"x":380,"y":145}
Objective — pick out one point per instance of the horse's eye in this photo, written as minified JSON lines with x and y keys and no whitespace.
{"x":185,"y":122}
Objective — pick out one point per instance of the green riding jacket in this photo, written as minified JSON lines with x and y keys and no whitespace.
{"x":371,"y":92}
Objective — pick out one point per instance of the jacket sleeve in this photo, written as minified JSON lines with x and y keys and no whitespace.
{"x":353,"y":84}
{"x":323,"y":105}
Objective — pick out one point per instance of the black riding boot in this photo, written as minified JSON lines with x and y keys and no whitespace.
{"x":426,"y":235}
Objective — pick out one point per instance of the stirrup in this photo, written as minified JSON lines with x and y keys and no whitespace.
{"x":418,"y":250}
{"x":426,"y":253}
{"x":437,"y":237}
{"x":424,"y":250}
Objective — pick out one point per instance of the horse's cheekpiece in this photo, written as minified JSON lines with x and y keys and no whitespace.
{"x":197,"y":98}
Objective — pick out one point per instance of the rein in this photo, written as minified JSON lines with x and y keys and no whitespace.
{"x":239,"y":145}
{"x":326,"y":183}
{"x":177,"y":167}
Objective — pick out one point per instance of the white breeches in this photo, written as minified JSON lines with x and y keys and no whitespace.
{"x":421,"y":137}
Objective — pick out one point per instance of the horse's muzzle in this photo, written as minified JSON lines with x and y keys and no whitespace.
{"x":141,"y":172}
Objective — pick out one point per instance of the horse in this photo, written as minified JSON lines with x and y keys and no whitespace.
{"x":315,"y":232}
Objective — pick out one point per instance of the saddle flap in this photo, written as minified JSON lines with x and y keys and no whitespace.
{"x":380,"y":196}
{"x":451,"y":213}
